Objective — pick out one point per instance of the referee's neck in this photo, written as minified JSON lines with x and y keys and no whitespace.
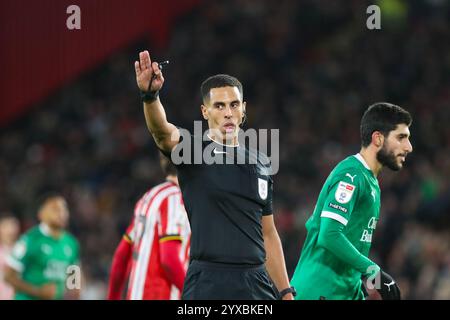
{"x":233,"y":142}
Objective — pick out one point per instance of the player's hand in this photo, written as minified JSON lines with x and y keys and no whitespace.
{"x":148,"y":75}
{"x":47,"y":291}
{"x":389,"y":289}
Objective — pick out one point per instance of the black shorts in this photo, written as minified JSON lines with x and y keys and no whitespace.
{"x":217,"y":281}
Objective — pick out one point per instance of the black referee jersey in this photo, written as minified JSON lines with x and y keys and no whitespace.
{"x":225,"y":202}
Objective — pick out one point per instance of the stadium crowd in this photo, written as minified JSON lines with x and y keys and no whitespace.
{"x":310,"y":69}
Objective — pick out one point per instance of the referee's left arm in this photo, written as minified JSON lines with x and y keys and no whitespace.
{"x":275,"y":264}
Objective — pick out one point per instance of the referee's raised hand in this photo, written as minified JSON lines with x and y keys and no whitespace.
{"x":148,"y":75}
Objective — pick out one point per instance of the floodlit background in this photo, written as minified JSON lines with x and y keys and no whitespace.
{"x":71,"y":119}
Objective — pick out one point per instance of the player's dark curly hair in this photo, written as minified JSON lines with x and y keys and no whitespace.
{"x":219,"y":81}
{"x":44,"y":196}
{"x":383,"y":117}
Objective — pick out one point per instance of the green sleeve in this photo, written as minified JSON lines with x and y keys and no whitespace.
{"x":342,"y":195}
{"x":76,"y":255}
{"x":21,"y":254}
{"x":332,"y":238}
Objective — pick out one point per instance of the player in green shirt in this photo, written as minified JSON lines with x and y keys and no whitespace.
{"x":339,"y":232}
{"x":39,"y":262}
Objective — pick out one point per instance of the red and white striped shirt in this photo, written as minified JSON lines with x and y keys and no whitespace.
{"x":158,"y":216}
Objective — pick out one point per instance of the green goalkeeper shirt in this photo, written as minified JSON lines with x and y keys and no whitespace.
{"x":339,"y":234}
{"x":40,"y":259}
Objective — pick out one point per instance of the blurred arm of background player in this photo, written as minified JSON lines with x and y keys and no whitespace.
{"x":121,"y":263}
{"x":165,"y":134}
{"x":275,"y":264}
{"x":46,"y":291}
{"x":171,"y":263}
{"x":8,"y":235}
{"x":120,"y":268}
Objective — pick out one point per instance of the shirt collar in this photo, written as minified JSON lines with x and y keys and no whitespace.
{"x":225,"y":145}
{"x":361,"y":159}
{"x":45,"y":229}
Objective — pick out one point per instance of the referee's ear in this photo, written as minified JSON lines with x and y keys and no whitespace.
{"x":244,"y":110}
{"x":204,"y":110}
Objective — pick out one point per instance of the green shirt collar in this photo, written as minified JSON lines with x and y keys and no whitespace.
{"x":361,"y":159}
{"x":45,"y":229}
{"x":363,"y":162}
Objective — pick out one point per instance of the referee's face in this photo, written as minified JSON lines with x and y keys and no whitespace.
{"x":224,"y":111}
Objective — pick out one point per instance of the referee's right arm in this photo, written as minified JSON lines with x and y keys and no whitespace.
{"x":150,"y":80}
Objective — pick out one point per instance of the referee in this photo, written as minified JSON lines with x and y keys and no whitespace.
{"x":236,"y":253}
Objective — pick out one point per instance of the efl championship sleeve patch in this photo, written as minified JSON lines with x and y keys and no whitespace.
{"x":344,"y":192}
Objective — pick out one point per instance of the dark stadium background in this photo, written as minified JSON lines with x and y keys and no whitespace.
{"x":71,"y":118}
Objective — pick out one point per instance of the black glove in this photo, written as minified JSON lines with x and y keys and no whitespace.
{"x":389,"y":289}
{"x":364,"y":290}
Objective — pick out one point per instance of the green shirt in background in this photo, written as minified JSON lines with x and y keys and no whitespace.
{"x":42,"y":259}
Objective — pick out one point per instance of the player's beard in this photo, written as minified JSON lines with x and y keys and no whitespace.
{"x":387,"y":158}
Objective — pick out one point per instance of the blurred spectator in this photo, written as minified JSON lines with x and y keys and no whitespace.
{"x":9,"y":233}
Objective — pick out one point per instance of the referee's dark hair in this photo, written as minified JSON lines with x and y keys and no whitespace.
{"x":219,"y":81}
{"x":383,"y":117}
{"x":167,"y":167}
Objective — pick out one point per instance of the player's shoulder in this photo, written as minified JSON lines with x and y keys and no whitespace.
{"x":163,"y":189}
{"x":32,"y":233}
{"x":70,"y":239}
{"x":349,"y":170}
{"x":29,"y":238}
{"x":260,"y":157}
{"x":351,"y":163}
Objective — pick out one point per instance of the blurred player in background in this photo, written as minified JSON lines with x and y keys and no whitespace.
{"x":9,"y":232}
{"x":38,"y":264}
{"x":155,"y":247}
{"x":336,"y":249}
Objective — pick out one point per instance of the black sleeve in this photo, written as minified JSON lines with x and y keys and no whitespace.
{"x":268,"y":208}
{"x":266,"y":170}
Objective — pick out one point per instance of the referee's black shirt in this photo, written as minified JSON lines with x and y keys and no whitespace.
{"x":225,"y":202}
